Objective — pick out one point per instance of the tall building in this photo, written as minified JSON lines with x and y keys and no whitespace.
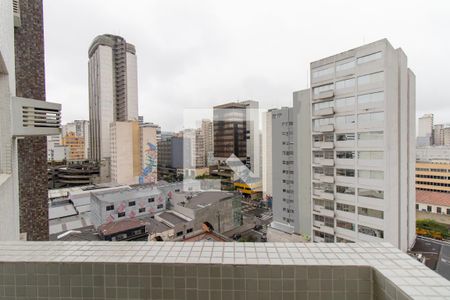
{"x":363,"y":154}
{"x":425,"y":134}
{"x":438,"y":134}
{"x":134,"y":153}
{"x":112,"y":90}
{"x":267,"y":154}
{"x":208,"y":137}
{"x":75,"y":146}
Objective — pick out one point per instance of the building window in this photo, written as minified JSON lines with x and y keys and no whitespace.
{"x":323,"y":105}
{"x":322,"y":122}
{"x":370,"y":78}
{"x":345,"y":172}
{"x":189,"y":230}
{"x":345,"y":120}
{"x":438,"y":210}
{"x":109,"y":207}
{"x":428,"y":208}
{"x":322,"y":72}
{"x":371,"y":136}
{"x":151,"y":200}
{"x":142,"y":209}
{"x":179,"y":233}
{"x":345,"y":137}
{"x":370,"y":193}
{"x":345,"y":102}
{"x":371,"y":117}
{"x":345,"y":207}
{"x":371,"y":174}
{"x":371,"y":231}
{"x":345,"y":65}
{"x":344,"y":84}
{"x":417,"y":206}
{"x":369,"y":58}
{"x":370,"y":155}
{"x":121,"y":214}
{"x":132,"y":203}
{"x":448,"y":211}
{"x":345,"y":154}
{"x":159,"y":206}
{"x":368,"y":212}
{"x":371,"y":98}
{"x":345,"y":190}
{"x":345,"y":225}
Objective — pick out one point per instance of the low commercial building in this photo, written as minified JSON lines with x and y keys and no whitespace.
{"x":433,"y":202}
{"x":433,"y":176}
{"x":251,"y":188}
{"x":124,"y":230}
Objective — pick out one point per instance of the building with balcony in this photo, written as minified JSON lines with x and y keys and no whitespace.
{"x":363,"y":154}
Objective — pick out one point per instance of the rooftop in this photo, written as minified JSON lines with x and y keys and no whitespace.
{"x":433,"y":198}
{"x":172,"y":218}
{"x":120,"y":226}
{"x":201,"y":199}
{"x":218,"y":270}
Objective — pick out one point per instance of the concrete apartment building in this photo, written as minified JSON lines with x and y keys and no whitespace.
{"x":363,"y":154}
{"x":266,"y":163}
{"x":134,"y":153}
{"x":208,"y":137}
{"x":113,"y":94}
{"x":78,"y":130}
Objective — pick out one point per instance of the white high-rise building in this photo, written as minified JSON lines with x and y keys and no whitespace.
{"x":425,"y":134}
{"x":363,"y":146}
{"x":113,"y":92}
{"x":208,"y":139}
{"x":267,"y":154}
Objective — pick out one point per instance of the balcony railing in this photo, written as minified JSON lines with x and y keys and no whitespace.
{"x":208,"y":270}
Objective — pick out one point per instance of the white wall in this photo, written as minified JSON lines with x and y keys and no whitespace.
{"x":132,"y":87}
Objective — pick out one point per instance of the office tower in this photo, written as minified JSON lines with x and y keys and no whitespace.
{"x":363,"y":154}
{"x":75,"y":135}
{"x":208,"y":137}
{"x":283,"y":168}
{"x":267,"y":154}
{"x":425,"y":134}
{"x":253,"y":159}
{"x":112,"y":90}
{"x":199,"y":149}
{"x":171,"y":153}
{"x":134,"y":153}
{"x":438,"y":134}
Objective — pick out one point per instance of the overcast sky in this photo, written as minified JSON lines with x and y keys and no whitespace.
{"x":199,"y":53}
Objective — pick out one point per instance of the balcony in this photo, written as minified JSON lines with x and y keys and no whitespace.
{"x":321,"y":210}
{"x":35,"y":118}
{"x":324,"y":145}
{"x":324,"y":95}
{"x":326,"y":128}
{"x":208,"y":270}
{"x":327,"y":195}
{"x":326,"y":179}
{"x":323,"y":228}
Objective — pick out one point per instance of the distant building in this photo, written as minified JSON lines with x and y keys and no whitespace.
{"x":267,"y":154}
{"x":208,"y":137}
{"x":75,"y":145}
{"x":134,"y":153}
{"x":433,"y":202}
{"x":433,"y":176}
{"x":429,"y":153}
{"x":425,"y":132}
{"x":113,"y":94}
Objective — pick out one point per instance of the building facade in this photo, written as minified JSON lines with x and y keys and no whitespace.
{"x":134,"y":153}
{"x":363,"y":154}
{"x":428,"y":153}
{"x":112,"y":90}
{"x":425,"y":132}
{"x":433,"y":176}
{"x":208,"y":138}
{"x":267,"y":154}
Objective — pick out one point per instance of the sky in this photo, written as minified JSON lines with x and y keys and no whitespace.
{"x":199,"y":53}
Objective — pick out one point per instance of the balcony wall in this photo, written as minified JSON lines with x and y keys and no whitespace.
{"x":208,"y":270}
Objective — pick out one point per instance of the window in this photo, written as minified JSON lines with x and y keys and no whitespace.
{"x":345,"y":84}
{"x":151,"y":200}
{"x":370,"y":136}
{"x":189,"y":230}
{"x":370,"y":155}
{"x":369,"y":58}
{"x":345,"y":120}
{"x":345,"y":154}
{"x":121,"y":214}
{"x":179,"y":233}
{"x":417,"y":206}
{"x":345,"y":190}
{"x":345,"y":172}
{"x":323,"y":105}
{"x":322,"y":122}
{"x":438,"y":210}
{"x":448,"y":211}
{"x":370,"y":231}
{"x":371,"y":174}
{"x":370,"y":193}
{"x":370,"y":78}
{"x":323,"y":72}
{"x":345,"y":137}
{"x":428,"y":208}
{"x":343,"y":102}
{"x":142,"y":209}
{"x":323,"y":88}
{"x":132,"y":203}
{"x":345,"y":65}
{"x":370,"y":212}
{"x":345,"y":207}
{"x":159,"y":206}
{"x":109,"y":207}
{"x":371,"y":117}
{"x":371,"y":98}
{"x":345,"y":225}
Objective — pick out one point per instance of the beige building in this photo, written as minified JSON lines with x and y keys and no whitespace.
{"x":208,"y":140}
{"x":133,"y":153}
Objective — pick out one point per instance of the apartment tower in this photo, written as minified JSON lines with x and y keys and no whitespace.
{"x":363,"y":150}
{"x":112,"y":90}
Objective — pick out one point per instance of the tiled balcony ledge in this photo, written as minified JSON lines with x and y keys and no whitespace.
{"x":213,"y":270}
